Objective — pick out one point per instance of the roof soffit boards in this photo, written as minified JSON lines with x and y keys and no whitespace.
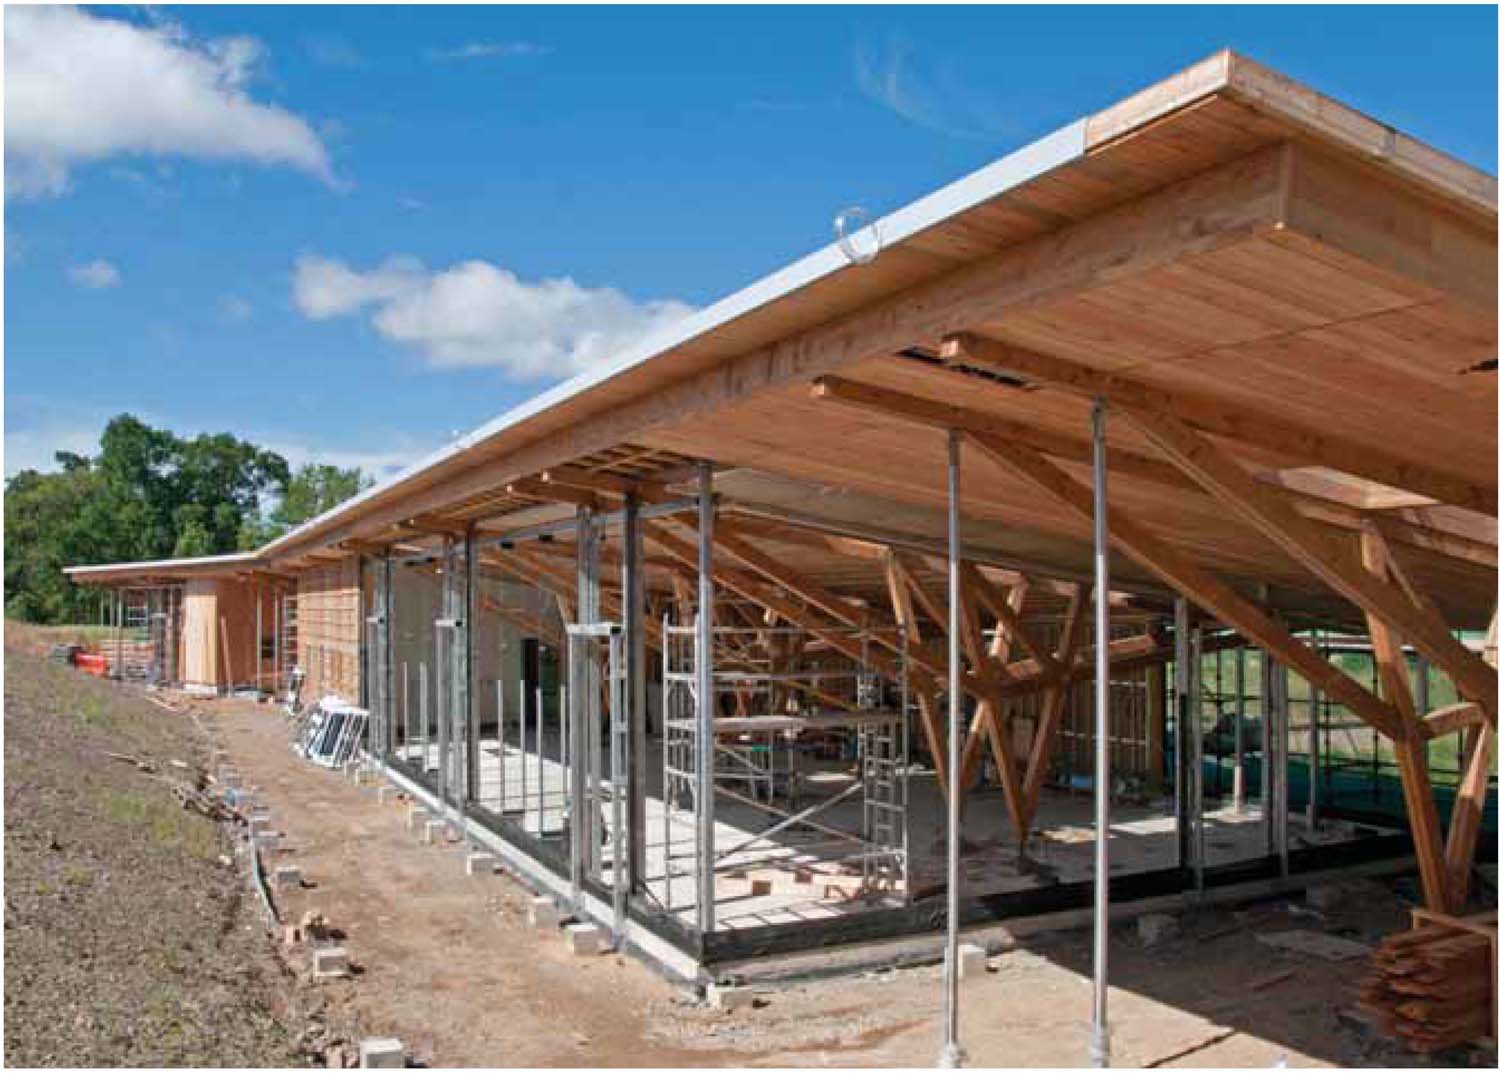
{"x":1067,"y":176}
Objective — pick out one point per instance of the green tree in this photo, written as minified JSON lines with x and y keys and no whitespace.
{"x":148,"y":495}
{"x":312,"y":490}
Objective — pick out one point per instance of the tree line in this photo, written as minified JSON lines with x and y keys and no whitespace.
{"x":148,"y":495}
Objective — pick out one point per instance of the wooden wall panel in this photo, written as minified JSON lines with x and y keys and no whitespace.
{"x":328,"y":628}
{"x":200,"y":633}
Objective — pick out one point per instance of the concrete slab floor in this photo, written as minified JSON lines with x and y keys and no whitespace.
{"x":803,"y":874}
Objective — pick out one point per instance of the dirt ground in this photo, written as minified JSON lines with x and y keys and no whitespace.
{"x":448,"y":964}
{"x":128,"y":940}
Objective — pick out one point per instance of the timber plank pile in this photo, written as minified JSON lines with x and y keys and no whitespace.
{"x":1433,"y":986}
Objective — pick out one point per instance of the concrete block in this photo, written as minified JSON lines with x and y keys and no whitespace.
{"x":416,"y":817}
{"x":479,"y":864}
{"x":585,"y":940}
{"x":286,"y":877}
{"x":433,"y":831}
{"x":269,"y":841}
{"x":1154,"y":928}
{"x":544,"y":913}
{"x":330,"y":962}
{"x":382,"y":1053}
{"x":971,"y":960}
{"x":730,"y":997}
{"x":260,"y":815}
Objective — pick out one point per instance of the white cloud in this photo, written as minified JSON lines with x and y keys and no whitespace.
{"x":379,"y":463}
{"x":234,"y":308}
{"x":95,"y":275}
{"x":489,"y":50}
{"x":478,"y":314}
{"x":327,"y":288}
{"x":889,"y":72}
{"x":81,"y":88}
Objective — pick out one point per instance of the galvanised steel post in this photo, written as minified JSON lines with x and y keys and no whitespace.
{"x":705,"y":739}
{"x":952,"y":1055}
{"x":1099,"y":1030}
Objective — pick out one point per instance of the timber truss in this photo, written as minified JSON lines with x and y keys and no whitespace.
{"x":1351,"y":553}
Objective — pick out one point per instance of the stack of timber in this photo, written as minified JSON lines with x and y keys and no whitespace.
{"x":130,"y":659}
{"x":1434,"y":986}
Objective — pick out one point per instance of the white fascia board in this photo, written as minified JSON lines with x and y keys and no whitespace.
{"x":1014,"y":169}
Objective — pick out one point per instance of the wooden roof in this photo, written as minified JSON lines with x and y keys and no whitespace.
{"x":1318,"y":285}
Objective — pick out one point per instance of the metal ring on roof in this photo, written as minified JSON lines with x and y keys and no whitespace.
{"x":850,"y":223}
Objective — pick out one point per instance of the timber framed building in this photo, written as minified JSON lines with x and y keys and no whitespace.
{"x":674,"y":636}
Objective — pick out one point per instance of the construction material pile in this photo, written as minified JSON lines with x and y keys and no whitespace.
{"x":1433,"y":986}
{"x":330,"y":733}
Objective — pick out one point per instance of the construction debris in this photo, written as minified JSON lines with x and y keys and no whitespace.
{"x":1434,"y":986}
{"x":1314,"y":944}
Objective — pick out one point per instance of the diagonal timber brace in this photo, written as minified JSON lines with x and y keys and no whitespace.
{"x":1265,"y":509}
{"x":1205,"y":590}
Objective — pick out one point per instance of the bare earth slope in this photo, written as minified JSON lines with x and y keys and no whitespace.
{"x":128,"y":942}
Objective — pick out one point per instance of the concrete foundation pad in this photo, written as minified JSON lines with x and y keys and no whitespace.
{"x":584,"y":940}
{"x":382,"y":1053}
{"x":730,"y":997}
{"x":479,"y":864}
{"x":416,"y":818}
{"x":433,"y":831}
{"x":286,"y":877}
{"x":330,"y":962}
{"x":544,"y":914}
{"x":269,"y":841}
{"x":971,"y":960}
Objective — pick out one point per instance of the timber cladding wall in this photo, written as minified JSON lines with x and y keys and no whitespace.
{"x":328,"y":624}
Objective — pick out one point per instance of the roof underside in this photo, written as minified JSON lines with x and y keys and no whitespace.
{"x":1226,"y":237}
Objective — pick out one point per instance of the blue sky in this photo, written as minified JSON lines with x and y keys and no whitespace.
{"x":349,"y":233}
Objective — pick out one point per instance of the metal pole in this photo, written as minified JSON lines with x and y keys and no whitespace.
{"x":524,"y":742}
{"x":470,"y":711}
{"x":618,"y":732}
{"x":633,"y":607}
{"x":541,"y":774}
{"x":1099,"y":1040}
{"x":1239,"y":730}
{"x":1314,"y":705}
{"x":500,"y":729}
{"x":1182,"y":691}
{"x":422,"y":687}
{"x":1283,"y":743}
{"x":704,"y":763}
{"x":952,"y":1055}
{"x":1195,"y":755}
